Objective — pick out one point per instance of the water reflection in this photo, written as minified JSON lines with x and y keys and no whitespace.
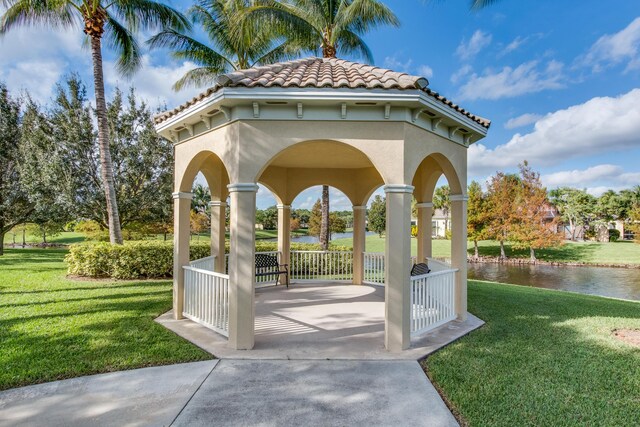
{"x":610,"y":282}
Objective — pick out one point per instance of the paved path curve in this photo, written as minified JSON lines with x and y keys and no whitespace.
{"x":236,"y":393}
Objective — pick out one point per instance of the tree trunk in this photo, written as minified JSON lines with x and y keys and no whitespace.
{"x":24,"y":237}
{"x":573,"y":230}
{"x":2,"y":242}
{"x":503,"y":254}
{"x":324,"y":222}
{"x":533,"y":255}
{"x":106,"y":166}
{"x":475,"y":250}
{"x":44,"y":237}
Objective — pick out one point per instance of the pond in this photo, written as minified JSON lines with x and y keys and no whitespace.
{"x":334,"y":236}
{"x":610,"y":282}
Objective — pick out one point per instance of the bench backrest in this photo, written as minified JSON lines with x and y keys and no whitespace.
{"x":420,"y":269}
{"x":266,"y":261}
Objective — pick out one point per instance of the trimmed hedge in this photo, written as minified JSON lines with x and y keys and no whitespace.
{"x":146,"y":259}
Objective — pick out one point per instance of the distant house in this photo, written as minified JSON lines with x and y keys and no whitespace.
{"x":440,"y":223}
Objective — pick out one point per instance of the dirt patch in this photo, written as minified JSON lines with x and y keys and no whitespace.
{"x":630,"y":336}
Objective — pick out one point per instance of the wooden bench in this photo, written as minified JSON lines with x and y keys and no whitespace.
{"x":268,"y":265}
{"x":420,"y":269}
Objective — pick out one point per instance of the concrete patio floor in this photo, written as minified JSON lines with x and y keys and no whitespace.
{"x":335,"y":321}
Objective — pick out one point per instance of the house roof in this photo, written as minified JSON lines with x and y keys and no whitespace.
{"x":320,"y":73}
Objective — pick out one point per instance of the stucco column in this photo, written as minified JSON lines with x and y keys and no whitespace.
{"x":218,"y":230}
{"x":397,"y":333}
{"x":359,"y":236}
{"x":459,"y":251}
{"x":181,"y":234}
{"x":425,"y":214}
{"x":284,"y":235}
{"x":242,"y":264}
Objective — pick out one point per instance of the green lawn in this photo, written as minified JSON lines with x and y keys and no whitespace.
{"x":65,"y":238}
{"x":53,"y":328}
{"x":586,"y":252}
{"x":544,"y":358}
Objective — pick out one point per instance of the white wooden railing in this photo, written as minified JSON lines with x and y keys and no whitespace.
{"x":432,"y":300}
{"x":374,"y":267}
{"x":321,"y":265}
{"x":204,"y":263}
{"x":206,"y":298}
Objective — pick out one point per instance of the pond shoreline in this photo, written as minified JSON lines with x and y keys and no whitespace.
{"x":526,"y":261}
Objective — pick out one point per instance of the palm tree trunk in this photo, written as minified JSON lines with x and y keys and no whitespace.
{"x":324,"y":222}
{"x":532,"y":254}
{"x":106,"y":166}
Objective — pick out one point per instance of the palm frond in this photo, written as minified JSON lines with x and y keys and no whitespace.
{"x":149,"y":14}
{"x":186,"y":48}
{"x":52,"y":14}
{"x":124,"y":44}
{"x":198,"y":77}
{"x":352,"y":44}
{"x":362,"y":16}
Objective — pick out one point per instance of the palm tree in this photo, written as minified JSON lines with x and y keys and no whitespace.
{"x":336,"y":26}
{"x":234,"y":42}
{"x":117,"y":21}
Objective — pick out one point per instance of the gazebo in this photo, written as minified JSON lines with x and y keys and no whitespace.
{"x":314,"y":121}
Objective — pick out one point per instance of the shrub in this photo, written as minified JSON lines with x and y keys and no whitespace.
{"x":414,"y":231}
{"x":148,"y":258}
{"x":614,"y":235}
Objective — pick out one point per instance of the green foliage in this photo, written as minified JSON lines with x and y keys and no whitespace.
{"x":315,"y":219}
{"x":268,"y":218}
{"x":92,"y":230}
{"x":337,"y":224}
{"x":146,"y":259}
{"x":614,"y":235}
{"x":577,"y":207}
{"x":234,"y":41}
{"x":414,"y":231}
{"x":377,"y":215}
{"x":15,"y":206}
{"x":336,"y":27}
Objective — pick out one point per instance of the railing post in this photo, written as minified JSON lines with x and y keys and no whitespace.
{"x":181,"y":232}
{"x":459,"y":251}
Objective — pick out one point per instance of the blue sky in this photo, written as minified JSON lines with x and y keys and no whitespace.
{"x":560,"y":81}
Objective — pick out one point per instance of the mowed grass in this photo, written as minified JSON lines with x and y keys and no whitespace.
{"x":53,"y":328}
{"x":544,"y":358}
{"x":571,"y":252}
{"x":64,"y":238}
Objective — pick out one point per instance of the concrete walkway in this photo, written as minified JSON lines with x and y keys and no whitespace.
{"x":236,"y":393}
{"x":335,"y":321}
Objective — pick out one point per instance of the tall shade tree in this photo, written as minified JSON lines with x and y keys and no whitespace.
{"x":116,"y":21}
{"x":235,"y":41}
{"x":15,"y":206}
{"x":335,"y":27}
{"x":477,"y":217}
{"x":532,"y":227}
{"x":576,"y":207}
{"x":501,"y":194}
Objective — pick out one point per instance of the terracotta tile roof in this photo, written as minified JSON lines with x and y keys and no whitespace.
{"x":320,"y":73}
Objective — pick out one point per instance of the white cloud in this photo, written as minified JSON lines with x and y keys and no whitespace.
{"x":425,"y":71}
{"x":36,"y":67}
{"x":602,"y":124}
{"x":581,"y":177}
{"x":393,"y":63}
{"x":153,"y":82}
{"x":612,"y":49}
{"x":468,"y":49}
{"x":511,"y":82}
{"x":514,"y":45}
{"x":522,"y":120}
{"x":596,"y":179}
{"x":465,"y":70}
